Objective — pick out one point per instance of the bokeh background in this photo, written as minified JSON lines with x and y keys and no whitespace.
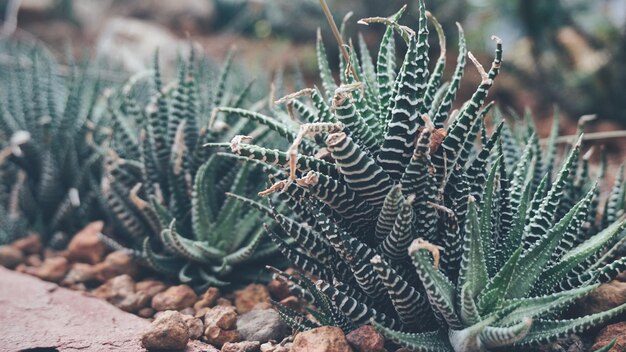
{"x":570,"y":53}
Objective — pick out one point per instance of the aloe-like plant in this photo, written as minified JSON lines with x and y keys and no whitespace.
{"x":166,"y":189}
{"x":387,"y":169}
{"x":48,"y":134}
{"x":12,"y":221}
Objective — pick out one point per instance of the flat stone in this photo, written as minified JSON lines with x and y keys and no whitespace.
{"x":39,"y":314}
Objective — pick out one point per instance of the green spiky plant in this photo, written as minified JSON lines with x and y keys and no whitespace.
{"x":46,"y":125}
{"x":12,"y":221}
{"x":389,"y":172}
{"x":166,"y":190}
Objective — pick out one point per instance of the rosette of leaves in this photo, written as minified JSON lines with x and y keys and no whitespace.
{"x":166,"y":190}
{"x":46,"y":123}
{"x":389,"y":162}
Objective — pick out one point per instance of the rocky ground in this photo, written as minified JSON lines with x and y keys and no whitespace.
{"x":65,"y":310}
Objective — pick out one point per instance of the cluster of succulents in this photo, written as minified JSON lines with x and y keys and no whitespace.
{"x":51,"y":142}
{"x":417,"y":220}
{"x":166,"y":189}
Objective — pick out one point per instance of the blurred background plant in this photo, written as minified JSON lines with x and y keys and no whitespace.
{"x":568,"y":52}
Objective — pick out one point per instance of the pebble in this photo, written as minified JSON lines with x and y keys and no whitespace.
{"x":120,"y":291}
{"x":262,"y":325}
{"x":10,"y":257}
{"x":322,"y":339}
{"x":33,"y":260}
{"x":224,"y":302}
{"x":146,"y":312}
{"x":247,"y":298}
{"x":603,"y":298}
{"x":79,"y":273}
{"x":150,"y":287}
{"x":52,"y":269}
{"x":292,"y":302}
{"x":115,"y":264}
{"x":174,"y":298}
{"x":272,"y":346}
{"x":366,"y":339}
{"x":221,"y":316}
{"x":244,"y":346}
{"x":218,"y":337}
{"x":208,"y":299}
{"x":220,"y":325}
{"x":167,"y":332}
{"x":30,"y":244}
{"x":278,"y":289}
{"x":609,"y":333}
{"x":195,"y":325}
{"x":86,"y":246}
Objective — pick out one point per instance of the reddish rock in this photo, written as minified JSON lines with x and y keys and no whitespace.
{"x":224,"y":302}
{"x":195,"y":325}
{"x":292,"y":302}
{"x":79,"y":273}
{"x":322,"y":339}
{"x":39,"y":314}
{"x":200,"y":313}
{"x":208,"y":299}
{"x":150,"y":287}
{"x":605,"y":297}
{"x":366,"y":339}
{"x":86,"y":246}
{"x":249,"y":297}
{"x":146,"y":312}
{"x":244,"y":346}
{"x":278,"y":289}
{"x":221,"y":316}
{"x":10,"y":257}
{"x":272,"y":346}
{"x":174,"y":298}
{"x":218,"y":337}
{"x":33,"y":260}
{"x":120,"y":291}
{"x":30,"y":244}
{"x":115,"y":264}
{"x":52,"y":269}
{"x":167,"y":332}
{"x":606,"y":335}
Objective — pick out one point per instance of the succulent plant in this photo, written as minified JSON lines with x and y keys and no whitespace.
{"x":388,"y":173}
{"x":12,"y":221}
{"x":166,"y":190}
{"x":47,"y":133}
